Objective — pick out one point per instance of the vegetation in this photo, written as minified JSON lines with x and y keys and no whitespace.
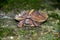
{"x":28,"y":4}
{"x":49,"y":30}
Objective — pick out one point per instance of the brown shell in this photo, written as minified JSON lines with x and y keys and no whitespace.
{"x":39,"y":17}
{"x":32,"y":18}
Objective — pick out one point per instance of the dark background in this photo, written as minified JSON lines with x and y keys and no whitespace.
{"x":29,"y":4}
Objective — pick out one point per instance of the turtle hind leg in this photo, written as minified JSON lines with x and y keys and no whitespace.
{"x":31,"y":23}
{"x":37,"y":24}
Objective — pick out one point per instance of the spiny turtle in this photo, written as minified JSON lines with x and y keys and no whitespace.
{"x":31,"y":18}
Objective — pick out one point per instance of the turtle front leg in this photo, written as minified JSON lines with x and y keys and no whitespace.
{"x":20,"y":24}
{"x":31,"y":23}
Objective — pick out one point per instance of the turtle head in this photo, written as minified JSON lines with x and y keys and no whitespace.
{"x":18,"y":17}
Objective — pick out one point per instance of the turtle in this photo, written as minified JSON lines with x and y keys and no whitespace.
{"x":31,"y":18}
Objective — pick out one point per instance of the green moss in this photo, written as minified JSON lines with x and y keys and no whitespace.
{"x":49,"y":30}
